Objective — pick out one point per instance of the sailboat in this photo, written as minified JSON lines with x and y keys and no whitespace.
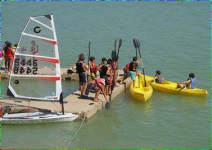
{"x":35,"y":74}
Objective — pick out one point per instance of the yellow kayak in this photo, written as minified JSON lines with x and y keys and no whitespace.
{"x":171,"y":87}
{"x":143,"y":93}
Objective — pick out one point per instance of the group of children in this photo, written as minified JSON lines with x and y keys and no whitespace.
{"x":9,"y":51}
{"x":108,"y":70}
{"x":131,"y":70}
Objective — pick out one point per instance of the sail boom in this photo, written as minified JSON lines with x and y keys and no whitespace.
{"x":36,"y":56}
{"x":39,"y":37}
{"x":41,"y":23}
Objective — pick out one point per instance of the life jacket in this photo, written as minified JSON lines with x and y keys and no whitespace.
{"x":104,"y":70}
{"x":193,"y":83}
{"x":127,"y":66}
{"x":159,"y":79}
{"x":79,"y":67}
{"x":94,"y":68}
{"x":132,"y":67}
{"x":16,"y":49}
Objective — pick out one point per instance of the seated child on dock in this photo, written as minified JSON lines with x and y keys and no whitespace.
{"x":81,"y":69}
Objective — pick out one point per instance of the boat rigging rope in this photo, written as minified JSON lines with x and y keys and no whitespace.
{"x":76,"y":132}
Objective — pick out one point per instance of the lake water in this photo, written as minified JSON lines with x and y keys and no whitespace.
{"x":175,"y":38}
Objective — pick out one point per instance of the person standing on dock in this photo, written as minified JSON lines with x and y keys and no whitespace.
{"x":5,"y":55}
{"x":93,"y":67}
{"x":81,"y":69}
{"x":116,"y":69}
{"x":108,"y":77}
{"x":133,"y":69}
{"x":10,"y":55}
{"x":103,"y":68}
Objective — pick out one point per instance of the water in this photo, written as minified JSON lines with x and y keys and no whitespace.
{"x":175,"y":38}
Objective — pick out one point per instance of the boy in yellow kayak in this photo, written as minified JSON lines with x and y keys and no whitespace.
{"x":190,"y":83}
{"x":133,"y":69}
{"x":158,"y":78}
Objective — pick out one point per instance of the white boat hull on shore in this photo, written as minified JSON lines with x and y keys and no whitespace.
{"x":38,"y":117}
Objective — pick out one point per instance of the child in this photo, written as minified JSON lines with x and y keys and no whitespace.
{"x":99,"y":86}
{"x":103,"y":68}
{"x":158,"y":78}
{"x":108,"y":77}
{"x":133,"y":69}
{"x":5,"y":54}
{"x":126,"y":70}
{"x":10,"y":55}
{"x":190,"y":83}
{"x":81,"y":69}
{"x":93,"y":68}
{"x":115,"y":65}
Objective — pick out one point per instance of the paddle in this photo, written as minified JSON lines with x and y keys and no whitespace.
{"x":138,"y":45}
{"x":120,"y":43}
{"x":89,"y":52}
{"x":113,"y":56}
{"x":115,"y":45}
{"x":135,"y":45}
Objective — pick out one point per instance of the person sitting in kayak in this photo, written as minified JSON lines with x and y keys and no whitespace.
{"x":126,"y":70}
{"x":93,"y":67}
{"x":103,"y":68}
{"x":158,"y":78}
{"x":133,"y":69}
{"x":190,"y":83}
{"x":81,"y":69}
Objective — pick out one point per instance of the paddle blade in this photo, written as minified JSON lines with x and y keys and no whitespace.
{"x":115,"y":45}
{"x":138,"y":43}
{"x":120,"y":42}
{"x":134,"y":42}
{"x":113,"y":55}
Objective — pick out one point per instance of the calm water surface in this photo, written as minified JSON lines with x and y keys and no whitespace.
{"x":175,"y":38}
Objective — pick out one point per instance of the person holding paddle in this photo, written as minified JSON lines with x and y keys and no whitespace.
{"x":133,"y":68}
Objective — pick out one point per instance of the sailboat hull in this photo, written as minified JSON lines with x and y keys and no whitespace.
{"x":36,"y":118}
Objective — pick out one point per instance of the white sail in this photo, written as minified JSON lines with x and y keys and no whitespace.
{"x":35,"y":73}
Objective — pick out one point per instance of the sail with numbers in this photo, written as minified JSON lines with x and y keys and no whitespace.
{"x":37,"y":62}
{"x":35,"y":74}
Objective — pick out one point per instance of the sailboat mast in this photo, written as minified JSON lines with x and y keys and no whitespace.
{"x":61,"y":102}
{"x":58,"y":83}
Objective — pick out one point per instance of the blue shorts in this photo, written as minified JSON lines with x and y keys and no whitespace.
{"x":83,"y":77}
{"x":132,"y":74}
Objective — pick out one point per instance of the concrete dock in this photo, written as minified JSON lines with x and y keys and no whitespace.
{"x":72,"y":103}
{"x":64,"y":74}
